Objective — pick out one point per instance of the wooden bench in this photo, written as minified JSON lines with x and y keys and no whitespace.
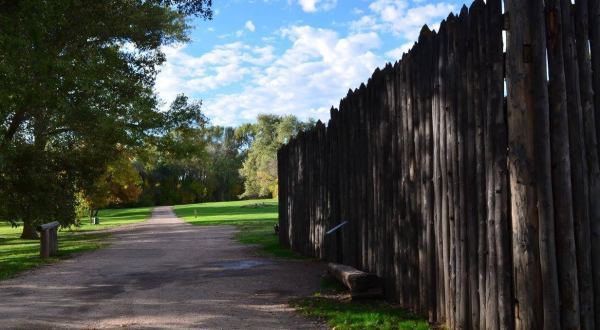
{"x":49,"y":239}
{"x":361,"y":284}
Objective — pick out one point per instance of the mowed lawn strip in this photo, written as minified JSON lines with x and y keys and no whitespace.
{"x":18,"y":255}
{"x":254,"y":218}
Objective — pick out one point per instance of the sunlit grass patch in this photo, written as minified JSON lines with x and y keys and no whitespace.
{"x":110,"y":218}
{"x":18,"y":255}
{"x":254,"y":218}
{"x":348,"y":315}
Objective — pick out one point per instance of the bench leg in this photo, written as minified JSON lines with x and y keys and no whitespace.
{"x":45,"y":244}
{"x":54,"y":242}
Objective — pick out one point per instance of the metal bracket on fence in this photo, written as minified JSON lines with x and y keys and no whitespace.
{"x":332,"y":230}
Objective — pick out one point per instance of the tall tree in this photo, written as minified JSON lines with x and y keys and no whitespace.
{"x":260,"y":166}
{"x":71,"y":94}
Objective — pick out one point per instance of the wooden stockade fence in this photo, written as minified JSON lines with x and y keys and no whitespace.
{"x":479,"y":207}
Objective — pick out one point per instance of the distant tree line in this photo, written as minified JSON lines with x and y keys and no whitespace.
{"x":197,"y":164}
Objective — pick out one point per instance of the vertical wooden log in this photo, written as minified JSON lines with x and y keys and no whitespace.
{"x":589,"y":318}
{"x":473,"y":166}
{"x":437,"y":177}
{"x":492,"y":316}
{"x":398,"y":199}
{"x":561,"y":171}
{"x":499,"y":169}
{"x":525,"y":225}
{"x":429,"y":201}
{"x":579,"y":168}
{"x":404,"y":280}
{"x":481,"y":151}
{"x":451,"y":145}
{"x":444,"y":168}
{"x":594,"y":39}
{"x":542,"y":161}
{"x":461,"y":111}
{"x":437,"y":285}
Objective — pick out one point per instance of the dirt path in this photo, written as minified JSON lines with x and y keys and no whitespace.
{"x":163,"y":273}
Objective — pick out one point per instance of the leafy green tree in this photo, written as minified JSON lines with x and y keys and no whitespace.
{"x":76,"y":81}
{"x":119,"y":185}
{"x":259,"y":169}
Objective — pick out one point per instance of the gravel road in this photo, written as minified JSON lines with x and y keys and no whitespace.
{"x":162,"y":273}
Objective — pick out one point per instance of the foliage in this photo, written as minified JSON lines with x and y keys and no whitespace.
{"x":254,"y":218}
{"x":358,"y":315}
{"x":268,"y":134}
{"x":74,"y":95}
{"x":192,"y":164}
{"x":120,"y":184}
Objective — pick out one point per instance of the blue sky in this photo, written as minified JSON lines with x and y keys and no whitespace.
{"x":290,"y":56}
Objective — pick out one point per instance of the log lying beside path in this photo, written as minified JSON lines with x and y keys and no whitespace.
{"x":360,"y":284}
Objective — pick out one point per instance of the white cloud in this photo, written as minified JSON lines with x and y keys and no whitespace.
{"x":311,"y":6}
{"x":401,"y":18}
{"x":396,"y":53}
{"x":306,"y":80}
{"x":224,"y":65}
{"x":250,"y":26}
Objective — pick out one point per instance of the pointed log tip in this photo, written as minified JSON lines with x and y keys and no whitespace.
{"x":442,"y":26}
{"x":475,"y":5}
{"x":425,"y":33}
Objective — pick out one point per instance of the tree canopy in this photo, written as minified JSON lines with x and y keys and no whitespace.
{"x":260,"y":167}
{"x":76,"y":81}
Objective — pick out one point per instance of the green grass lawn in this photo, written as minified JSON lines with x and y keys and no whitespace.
{"x":347,"y":315}
{"x":255,"y":219}
{"x":111,"y":218}
{"x":17,"y":255}
{"x":342,"y":314}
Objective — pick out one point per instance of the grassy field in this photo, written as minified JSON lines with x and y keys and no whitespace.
{"x":254,"y":218}
{"x":111,"y":218}
{"x":17,"y":255}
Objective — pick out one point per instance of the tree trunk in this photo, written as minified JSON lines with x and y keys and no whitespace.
{"x":29,"y":231}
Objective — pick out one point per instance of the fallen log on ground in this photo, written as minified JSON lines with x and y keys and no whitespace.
{"x":360,"y":284}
